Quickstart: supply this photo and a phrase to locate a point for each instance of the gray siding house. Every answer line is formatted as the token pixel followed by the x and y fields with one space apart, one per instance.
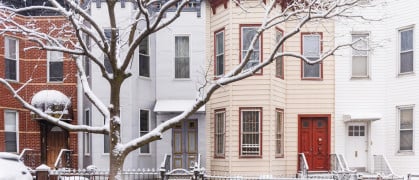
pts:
pixel 167 69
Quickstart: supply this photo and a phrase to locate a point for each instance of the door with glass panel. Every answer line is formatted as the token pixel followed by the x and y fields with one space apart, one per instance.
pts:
pixel 357 145
pixel 185 147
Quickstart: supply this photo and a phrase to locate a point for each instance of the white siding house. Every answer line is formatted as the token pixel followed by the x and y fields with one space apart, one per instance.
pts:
pixel 376 90
pixel 151 95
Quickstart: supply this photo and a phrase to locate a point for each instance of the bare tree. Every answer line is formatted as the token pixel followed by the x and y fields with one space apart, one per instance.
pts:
pixel 81 24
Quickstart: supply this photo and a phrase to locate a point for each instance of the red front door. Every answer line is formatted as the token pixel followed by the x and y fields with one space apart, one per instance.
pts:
pixel 314 142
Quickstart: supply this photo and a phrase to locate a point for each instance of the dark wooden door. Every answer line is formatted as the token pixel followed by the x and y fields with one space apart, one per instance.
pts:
pixel 185 147
pixel 314 143
pixel 56 141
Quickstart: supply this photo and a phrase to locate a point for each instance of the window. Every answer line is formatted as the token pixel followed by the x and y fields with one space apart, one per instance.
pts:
pixel 10 131
pixel 311 50
pixel 55 66
pixel 219 53
pixel 247 34
pixel 360 55
pixel 279 133
pixel 181 57
pixel 406 128
pixel 144 58
pixel 86 135
pixel 106 143
pixel 406 50
pixel 144 129
pixel 106 61
pixel 219 133
pixel 356 130
pixel 279 62
pixel 11 58
pixel 250 124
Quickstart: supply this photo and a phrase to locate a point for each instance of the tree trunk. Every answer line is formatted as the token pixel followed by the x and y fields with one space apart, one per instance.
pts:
pixel 116 157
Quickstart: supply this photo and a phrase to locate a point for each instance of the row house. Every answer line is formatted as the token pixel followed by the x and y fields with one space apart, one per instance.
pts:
pixel 166 72
pixel 376 88
pixel 46 80
pixel 259 125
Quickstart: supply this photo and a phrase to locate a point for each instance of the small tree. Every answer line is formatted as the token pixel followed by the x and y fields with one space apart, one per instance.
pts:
pixel 81 25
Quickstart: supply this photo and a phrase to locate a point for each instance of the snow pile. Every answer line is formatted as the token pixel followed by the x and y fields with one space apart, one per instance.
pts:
pixel 12 168
pixel 50 98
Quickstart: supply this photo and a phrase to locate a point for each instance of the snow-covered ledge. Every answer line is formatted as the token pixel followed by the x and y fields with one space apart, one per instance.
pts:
pixel 54 103
pixel 353 117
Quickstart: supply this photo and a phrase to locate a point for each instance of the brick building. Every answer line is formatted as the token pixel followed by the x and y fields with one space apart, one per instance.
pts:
pixel 19 64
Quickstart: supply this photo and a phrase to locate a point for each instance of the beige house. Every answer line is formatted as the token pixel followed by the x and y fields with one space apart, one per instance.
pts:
pixel 258 126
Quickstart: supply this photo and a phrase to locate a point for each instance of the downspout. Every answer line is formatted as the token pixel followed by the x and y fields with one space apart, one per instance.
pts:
pixel 80 121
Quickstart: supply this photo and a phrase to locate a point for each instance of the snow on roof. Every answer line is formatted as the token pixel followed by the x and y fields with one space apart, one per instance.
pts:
pixel 50 97
pixel 361 116
pixel 175 105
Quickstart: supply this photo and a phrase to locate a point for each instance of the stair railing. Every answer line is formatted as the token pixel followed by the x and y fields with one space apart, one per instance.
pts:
pixel 303 165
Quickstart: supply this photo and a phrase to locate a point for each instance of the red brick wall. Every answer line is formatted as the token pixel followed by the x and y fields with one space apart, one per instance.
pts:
pixel 33 65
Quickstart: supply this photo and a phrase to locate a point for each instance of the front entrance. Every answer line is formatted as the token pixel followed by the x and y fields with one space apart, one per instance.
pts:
pixel 56 140
pixel 185 144
pixel 357 145
pixel 314 141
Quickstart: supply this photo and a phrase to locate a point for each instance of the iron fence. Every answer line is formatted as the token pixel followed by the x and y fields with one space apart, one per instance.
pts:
pixel 83 174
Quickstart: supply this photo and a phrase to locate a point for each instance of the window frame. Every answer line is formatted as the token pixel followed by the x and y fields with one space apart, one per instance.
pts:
pixel 149 61
pixel 86 135
pixel 320 34
pixel 399 109
pixel 280 75
pixel 399 31
pixel 149 128
pixel 367 36
pixel 105 57
pixel 189 56
pixel 49 60
pixel 216 112
pixel 16 129
pixel 251 109
pixel 241 27
pixel 216 54
pixel 106 151
pixel 6 46
pixel 279 131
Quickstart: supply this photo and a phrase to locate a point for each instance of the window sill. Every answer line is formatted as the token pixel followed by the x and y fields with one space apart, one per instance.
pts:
pixel 405 153
pixel 12 81
pixel 182 79
pixel 311 79
pixel 250 157
pixel 55 82
pixel 407 74
pixel 355 78
pixel 144 154
pixel 144 78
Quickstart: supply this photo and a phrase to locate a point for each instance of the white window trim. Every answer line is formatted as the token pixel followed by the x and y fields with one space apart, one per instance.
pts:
pixel 242 48
pixel 320 49
pixel 86 134
pixel 17 127
pixel 174 57
pixel 149 60
pixel 219 54
pixel 399 30
pixel 367 34
pixel 259 131
pixel 405 152
pixel 48 65
pixel 17 57
pixel 139 129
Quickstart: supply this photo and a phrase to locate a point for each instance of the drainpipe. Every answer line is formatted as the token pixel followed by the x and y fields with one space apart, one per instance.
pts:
pixel 79 121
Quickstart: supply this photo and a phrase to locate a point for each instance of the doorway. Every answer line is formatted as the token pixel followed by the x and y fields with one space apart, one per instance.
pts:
pixel 357 145
pixel 314 140
pixel 185 147
pixel 56 140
